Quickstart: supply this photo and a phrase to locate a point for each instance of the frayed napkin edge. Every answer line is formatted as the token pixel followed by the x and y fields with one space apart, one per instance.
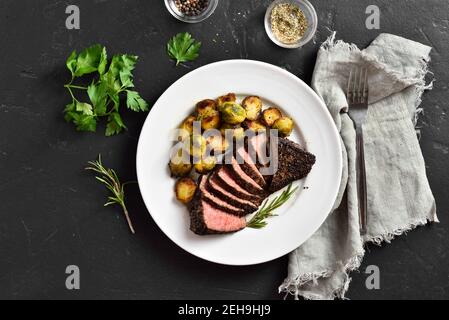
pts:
pixel 292 285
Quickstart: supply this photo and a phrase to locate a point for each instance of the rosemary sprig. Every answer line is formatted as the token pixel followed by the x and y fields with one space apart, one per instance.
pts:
pixel 110 179
pixel 268 208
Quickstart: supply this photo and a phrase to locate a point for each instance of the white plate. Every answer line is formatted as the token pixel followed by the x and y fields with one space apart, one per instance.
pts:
pixel 315 130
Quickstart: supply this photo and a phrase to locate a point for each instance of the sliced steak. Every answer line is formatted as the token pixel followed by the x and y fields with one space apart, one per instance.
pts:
pixel 293 164
pixel 227 181
pixel 248 165
pixel 243 179
pixel 216 202
pixel 206 219
pixel 259 146
pixel 217 190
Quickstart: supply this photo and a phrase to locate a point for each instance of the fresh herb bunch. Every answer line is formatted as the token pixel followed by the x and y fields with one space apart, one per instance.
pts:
pixel 114 79
pixel 110 179
pixel 183 48
pixel 267 209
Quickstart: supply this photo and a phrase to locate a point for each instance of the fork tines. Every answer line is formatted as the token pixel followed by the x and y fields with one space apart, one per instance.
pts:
pixel 357 91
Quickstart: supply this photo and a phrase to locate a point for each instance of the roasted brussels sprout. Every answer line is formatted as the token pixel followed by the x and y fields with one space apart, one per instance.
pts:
pixel 205 105
pixel 179 166
pixel 284 125
pixel 185 189
pixel 254 125
pixel 187 126
pixel 237 131
pixel 210 119
pixel 215 143
pixel 198 146
pixel 226 145
pixel 233 113
pixel 271 115
pixel 253 107
pixel 226 126
pixel 230 97
pixel 205 165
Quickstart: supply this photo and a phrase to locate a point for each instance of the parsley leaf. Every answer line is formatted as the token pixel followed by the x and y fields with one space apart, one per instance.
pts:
pixel 115 124
pixel 114 78
pixel 122 63
pixel 97 93
pixel 83 122
pixel 71 63
pixel 84 108
pixel 135 102
pixel 183 47
pixel 87 61
pixel 103 61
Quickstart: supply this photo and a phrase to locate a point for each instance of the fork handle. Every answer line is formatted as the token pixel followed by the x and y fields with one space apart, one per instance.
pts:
pixel 361 181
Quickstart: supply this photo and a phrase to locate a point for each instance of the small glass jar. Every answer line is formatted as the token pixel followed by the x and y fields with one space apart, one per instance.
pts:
pixel 206 13
pixel 310 14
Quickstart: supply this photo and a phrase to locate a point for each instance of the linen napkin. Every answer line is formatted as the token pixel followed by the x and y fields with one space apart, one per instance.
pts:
pixel 399 195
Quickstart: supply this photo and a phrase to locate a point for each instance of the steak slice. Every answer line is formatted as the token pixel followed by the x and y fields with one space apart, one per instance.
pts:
pixel 293 164
pixel 259 146
pixel 227 181
pixel 248 165
pixel 205 219
pixel 217 190
pixel 243 179
pixel 216 202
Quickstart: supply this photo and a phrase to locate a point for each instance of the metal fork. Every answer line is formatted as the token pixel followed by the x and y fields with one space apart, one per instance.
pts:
pixel 357 95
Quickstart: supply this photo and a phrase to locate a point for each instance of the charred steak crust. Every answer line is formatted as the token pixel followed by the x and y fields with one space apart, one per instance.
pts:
pixel 214 188
pixel 293 164
pixel 197 223
pixel 256 199
pixel 241 181
pixel 197 219
pixel 250 172
pixel 217 202
pixel 249 167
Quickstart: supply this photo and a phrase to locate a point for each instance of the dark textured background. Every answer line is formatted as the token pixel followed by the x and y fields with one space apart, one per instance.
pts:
pixel 51 212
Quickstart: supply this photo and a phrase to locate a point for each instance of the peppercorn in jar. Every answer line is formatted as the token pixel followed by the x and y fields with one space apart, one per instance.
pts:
pixel 191 7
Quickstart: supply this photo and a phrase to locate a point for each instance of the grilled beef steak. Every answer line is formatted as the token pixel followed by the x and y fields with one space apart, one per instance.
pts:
pixel 205 219
pixel 248 165
pixel 218 202
pixel 243 179
pixel 259 146
pixel 293 164
pixel 217 190
pixel 234 190
pixel 227 181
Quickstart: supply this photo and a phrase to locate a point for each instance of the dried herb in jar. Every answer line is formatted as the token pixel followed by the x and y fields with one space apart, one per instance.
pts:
pixel 288 23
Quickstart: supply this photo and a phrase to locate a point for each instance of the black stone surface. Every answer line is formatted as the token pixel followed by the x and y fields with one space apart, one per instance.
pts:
pixel 51 212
